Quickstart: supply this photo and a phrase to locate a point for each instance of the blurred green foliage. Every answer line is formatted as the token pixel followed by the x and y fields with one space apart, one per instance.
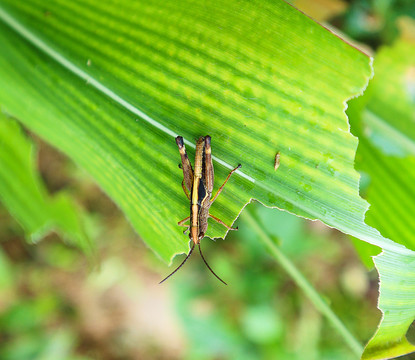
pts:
pixel 374 22
pixel 24 195
pixel 262 313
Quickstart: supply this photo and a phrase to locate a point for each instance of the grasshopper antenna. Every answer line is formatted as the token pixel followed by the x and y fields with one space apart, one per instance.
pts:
pixel 188 255
pixel 200 250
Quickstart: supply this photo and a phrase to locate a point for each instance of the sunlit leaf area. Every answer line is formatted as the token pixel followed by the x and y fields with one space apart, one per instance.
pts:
pixel 313 234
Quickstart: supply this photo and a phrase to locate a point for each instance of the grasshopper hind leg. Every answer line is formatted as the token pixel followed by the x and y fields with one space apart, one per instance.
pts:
pixel 185 190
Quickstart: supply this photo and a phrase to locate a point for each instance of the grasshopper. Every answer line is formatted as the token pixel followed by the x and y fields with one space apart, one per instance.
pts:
pixel 197 184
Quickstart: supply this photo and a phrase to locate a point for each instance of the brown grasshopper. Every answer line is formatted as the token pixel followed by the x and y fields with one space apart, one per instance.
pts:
pixel 198 187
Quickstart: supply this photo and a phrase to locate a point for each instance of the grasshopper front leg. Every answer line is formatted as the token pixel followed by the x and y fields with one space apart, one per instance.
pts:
pixel 182 223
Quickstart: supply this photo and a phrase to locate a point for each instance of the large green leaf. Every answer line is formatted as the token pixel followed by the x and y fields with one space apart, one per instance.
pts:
pixel 24 195
pixel 111 83
pixel 383 120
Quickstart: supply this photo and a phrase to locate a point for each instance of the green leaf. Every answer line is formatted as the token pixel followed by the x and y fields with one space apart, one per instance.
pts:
pixel 396 301
pixel 389 114
pixel 110 84
pixel 24 195
pixel 383 120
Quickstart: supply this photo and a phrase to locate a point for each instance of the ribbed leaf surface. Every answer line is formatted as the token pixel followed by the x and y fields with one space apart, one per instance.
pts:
pixel 111 84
